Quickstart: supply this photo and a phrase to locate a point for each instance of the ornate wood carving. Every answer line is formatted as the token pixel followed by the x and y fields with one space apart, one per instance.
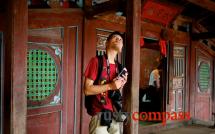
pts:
pixel 112 17
pixel 159 12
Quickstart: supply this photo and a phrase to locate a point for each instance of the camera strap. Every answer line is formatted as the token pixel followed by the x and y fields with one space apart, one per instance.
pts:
pixel 108 72
pixel 108 67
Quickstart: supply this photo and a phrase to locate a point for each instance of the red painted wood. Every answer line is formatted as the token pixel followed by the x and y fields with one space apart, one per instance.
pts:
pixel 131 90
pixel 79 80
pixel 47 40
pixel 15 20
pixel 71 21
pixel 32 112
pixel 47 123
pixel 43 18
pixel 203 100
pixel 200 103
pixel 188 71
pixel 159 12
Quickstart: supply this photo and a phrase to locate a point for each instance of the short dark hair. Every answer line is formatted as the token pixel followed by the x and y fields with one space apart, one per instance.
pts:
pixel 162 62
pixel 114 33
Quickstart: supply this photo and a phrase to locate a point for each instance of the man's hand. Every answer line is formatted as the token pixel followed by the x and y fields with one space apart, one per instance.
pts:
pixel 119 82
pixel 125 77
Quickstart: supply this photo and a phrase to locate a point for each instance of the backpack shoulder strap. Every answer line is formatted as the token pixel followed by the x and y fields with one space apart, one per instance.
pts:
pixel 119 66
pixel 100 68
pixel 88 99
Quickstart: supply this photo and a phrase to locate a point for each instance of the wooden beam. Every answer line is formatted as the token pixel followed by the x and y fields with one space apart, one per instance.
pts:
pixel 207 4
pixel 203 35
pixel 15 100
pixel 198 27
pixel 102 8
pixel 131 91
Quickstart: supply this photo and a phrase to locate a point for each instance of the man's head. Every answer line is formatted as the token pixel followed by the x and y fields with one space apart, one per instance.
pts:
pixel 114 42
pixel 161 64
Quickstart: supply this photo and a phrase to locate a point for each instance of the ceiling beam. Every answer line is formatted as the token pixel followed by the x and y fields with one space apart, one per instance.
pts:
pixel 203 35
pixel 207 4
pixel 108 6
pixel 200 28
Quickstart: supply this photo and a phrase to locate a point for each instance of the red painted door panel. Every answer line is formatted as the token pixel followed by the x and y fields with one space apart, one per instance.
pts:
pixel 177 94
pixel 53 72
pixel 203 91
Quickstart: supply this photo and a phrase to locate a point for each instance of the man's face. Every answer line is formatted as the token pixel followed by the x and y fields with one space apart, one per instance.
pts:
pixel 116 43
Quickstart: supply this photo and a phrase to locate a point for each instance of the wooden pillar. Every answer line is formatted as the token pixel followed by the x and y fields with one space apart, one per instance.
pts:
pixel 131 91
pixel 15 105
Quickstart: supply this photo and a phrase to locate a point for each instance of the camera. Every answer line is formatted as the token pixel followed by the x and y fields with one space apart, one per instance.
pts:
pixel 116 98
pixel 123 72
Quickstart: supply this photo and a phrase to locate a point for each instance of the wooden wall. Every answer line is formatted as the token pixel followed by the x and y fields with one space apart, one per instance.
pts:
pixel 15 39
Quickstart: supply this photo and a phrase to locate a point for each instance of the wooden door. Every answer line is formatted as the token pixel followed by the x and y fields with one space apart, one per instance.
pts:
pixel 177 94
pixel 203 90
pixel 53 72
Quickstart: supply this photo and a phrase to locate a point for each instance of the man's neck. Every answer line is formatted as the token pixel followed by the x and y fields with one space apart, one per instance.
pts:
pixel 111 55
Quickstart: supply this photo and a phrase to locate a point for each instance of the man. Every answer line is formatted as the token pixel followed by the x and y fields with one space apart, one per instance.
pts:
pixel 108 81
pixel 155 91
pixel 154 79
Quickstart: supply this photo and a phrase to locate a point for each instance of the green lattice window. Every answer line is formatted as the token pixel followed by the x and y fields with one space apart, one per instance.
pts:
pixel 42 75
pixel 204 76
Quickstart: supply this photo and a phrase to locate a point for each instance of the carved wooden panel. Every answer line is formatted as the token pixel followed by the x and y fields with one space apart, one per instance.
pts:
pixel 159 12
pixel 44 67
pixel 101 37
pixel 177 100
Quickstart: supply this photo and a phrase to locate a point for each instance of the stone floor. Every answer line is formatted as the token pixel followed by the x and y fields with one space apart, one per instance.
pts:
pixel 194 129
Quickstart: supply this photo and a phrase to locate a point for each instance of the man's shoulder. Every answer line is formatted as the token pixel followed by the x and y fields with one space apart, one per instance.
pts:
pixel 94 59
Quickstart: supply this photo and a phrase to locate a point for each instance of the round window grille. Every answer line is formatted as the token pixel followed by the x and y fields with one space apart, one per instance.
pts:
pixel 42 75
pixel 204 76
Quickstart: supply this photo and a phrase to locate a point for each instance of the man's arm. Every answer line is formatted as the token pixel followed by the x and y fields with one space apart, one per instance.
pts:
pixel 90 89
pixel 157 78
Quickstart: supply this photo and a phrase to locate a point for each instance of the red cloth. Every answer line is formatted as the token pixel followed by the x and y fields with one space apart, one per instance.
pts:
pixel 141 42
pixel 91 73
pixel 162 44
